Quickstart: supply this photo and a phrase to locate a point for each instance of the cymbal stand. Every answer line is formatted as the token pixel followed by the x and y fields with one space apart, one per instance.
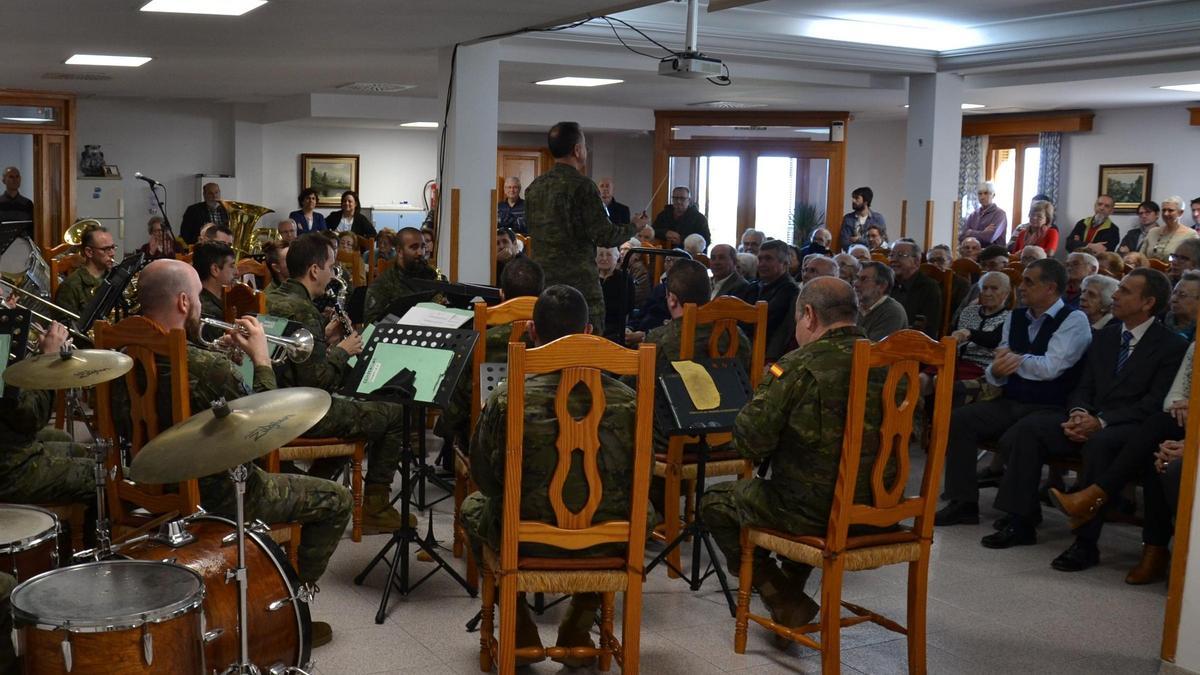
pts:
pixel 238 475
pixel 103 549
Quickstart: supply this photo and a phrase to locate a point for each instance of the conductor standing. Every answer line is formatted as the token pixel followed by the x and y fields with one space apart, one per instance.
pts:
pixel 567 221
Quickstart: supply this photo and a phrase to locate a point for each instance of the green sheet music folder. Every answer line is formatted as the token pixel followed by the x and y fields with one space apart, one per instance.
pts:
pixel 389 359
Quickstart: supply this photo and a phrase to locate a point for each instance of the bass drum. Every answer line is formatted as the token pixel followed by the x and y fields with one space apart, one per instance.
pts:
pixel 280 628
pixel 23 265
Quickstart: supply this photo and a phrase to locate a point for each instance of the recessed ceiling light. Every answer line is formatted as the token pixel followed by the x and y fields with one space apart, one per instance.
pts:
pixel 104 60
pixel 1182 87
pixel 578 82
pixel 966 106
pixel 421 125
pixel 220 7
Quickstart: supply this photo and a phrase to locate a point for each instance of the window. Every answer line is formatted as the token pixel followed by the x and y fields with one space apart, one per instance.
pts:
pixel 1012 166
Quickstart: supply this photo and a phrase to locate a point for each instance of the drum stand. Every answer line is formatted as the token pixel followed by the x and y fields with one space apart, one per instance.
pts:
pixel 99 448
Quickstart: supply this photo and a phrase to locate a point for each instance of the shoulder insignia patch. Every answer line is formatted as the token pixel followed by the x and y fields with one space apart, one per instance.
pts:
pixel 776 370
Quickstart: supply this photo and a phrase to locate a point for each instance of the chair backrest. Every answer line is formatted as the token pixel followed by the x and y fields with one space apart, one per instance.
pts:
pixel 945 279
pixel 903 354
pixel 241 300
pixel 967 269
pixel 725 313
pixel 251 266
pixel 518 312
pixel 1016 265
pixel 185 257
pixel 1014 280
pixel 1014 257
pixel 880 255
pixel 144 341
pixel 382 265
pixel 1159 265
pixel 526 244
pixel 353 263
pixel 366 246
pixel 579 359
pixel 60 268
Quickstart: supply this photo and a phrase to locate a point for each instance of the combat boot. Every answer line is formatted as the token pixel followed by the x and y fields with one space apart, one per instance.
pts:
pixel 575 630
pixel 379 516
pixel 790 606
pixel 322 634
pixel 527 633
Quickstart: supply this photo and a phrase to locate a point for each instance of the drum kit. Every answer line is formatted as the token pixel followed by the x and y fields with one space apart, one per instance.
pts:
pixel 177 600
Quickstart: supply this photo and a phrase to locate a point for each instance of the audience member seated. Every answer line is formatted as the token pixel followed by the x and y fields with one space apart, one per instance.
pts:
pixel 287 230
pixel 1112 264
pixel 779 291
pixel 1147 213
pixel 820 242
pixel 1186 257
pixel 162 242
pixel 1096 300
pixel 860 252
pixel 347 242
pixel 994 258
pixel 385 246
pixel 646 236
pixel 940 257
pixel 560 311
pixel 817 265
pixel 1096 233
pixel 725 277
pixel 1160 242
pixel 920 295
pixel 970 248
pixel 747 265
pixel 1079 265
pixel 752 240
pixel 679 219
pixel 988 223
pixel 1031 253
pixel 1039 231
pixel 848 267
pixel 879 314
pixel 307 218
pixel 618 294
pixel 855 224
pixel 978 331
pixel 654 312
pixel 1036 364
pixel 687 282
pixel 876 239
pixel 1135 259
pixel 506 249
pixel 635 266
pixel 1184 304
pixel 695 245
pixel 796 421
pixel 1128 372
pixel 796 262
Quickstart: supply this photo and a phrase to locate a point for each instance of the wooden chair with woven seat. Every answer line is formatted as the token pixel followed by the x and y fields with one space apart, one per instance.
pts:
pixel 579 359
pixel 519 313
pixel 839 551
pixel 146 341
pixel 259 269
pixel 676 465
pixel 352 262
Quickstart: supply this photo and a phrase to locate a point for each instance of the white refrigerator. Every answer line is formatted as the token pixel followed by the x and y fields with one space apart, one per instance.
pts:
pixel 104 200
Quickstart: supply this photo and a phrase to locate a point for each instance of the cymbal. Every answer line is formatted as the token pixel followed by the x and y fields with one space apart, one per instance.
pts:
pixel 80 368
pixel 208 443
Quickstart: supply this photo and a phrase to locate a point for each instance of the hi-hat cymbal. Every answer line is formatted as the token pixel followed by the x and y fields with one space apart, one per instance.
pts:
pixel 208 442
pixel 76 369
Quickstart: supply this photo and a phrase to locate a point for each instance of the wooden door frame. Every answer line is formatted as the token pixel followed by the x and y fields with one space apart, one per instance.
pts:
pixel 47 233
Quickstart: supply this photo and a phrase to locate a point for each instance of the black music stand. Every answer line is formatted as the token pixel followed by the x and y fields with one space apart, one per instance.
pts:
pixel 110 292
pixel 679 417
pixel 460 343
pixel 15 324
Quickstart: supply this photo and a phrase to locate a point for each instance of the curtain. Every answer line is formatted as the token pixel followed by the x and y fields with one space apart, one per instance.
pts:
pixel 1048 170
pixel 970 172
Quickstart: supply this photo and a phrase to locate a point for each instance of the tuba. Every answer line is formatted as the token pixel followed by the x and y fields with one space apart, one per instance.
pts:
pixel 74 234
pixel 247 239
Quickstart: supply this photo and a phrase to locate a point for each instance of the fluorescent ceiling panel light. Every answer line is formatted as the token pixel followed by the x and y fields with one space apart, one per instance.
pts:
pixel 578 82
pixel 1182 87
pixel 105 60
pixel 892 31
pixel 966 106
pixel 219 7
pixel 421 125
pixel 27 120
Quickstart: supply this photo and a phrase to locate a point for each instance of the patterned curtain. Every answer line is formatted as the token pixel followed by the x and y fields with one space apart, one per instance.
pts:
pixel 970 172
pixel 1048 171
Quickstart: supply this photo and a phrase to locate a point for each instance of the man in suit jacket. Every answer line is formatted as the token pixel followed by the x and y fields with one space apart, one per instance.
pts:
pixel 211 210
pixel 617 212
pixel 725 277
pixel 1128 371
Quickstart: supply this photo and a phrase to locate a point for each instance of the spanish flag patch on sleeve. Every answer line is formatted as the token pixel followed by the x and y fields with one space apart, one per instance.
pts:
pixel 776 370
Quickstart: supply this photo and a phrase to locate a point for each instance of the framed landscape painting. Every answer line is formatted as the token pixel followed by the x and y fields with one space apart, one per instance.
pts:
pixel 1127 184
pixel 329 175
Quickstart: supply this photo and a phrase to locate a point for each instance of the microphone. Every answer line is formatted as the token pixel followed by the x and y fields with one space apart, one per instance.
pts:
pixel 138 175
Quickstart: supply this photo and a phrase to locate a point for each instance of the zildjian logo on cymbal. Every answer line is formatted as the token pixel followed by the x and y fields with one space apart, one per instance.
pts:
pixel 265 429
pixel 83 374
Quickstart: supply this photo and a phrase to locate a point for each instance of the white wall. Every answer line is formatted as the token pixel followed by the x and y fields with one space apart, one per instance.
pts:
pixel 17 150
pixel 875 158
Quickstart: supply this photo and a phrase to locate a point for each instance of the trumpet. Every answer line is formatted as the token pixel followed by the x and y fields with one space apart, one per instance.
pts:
pixel 297 347
pixel 38 315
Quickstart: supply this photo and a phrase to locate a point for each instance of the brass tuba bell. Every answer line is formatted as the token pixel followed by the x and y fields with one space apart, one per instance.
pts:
pixel 242 219
pixel 74 234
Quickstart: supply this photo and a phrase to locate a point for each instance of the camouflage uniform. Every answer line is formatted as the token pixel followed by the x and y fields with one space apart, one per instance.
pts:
pixel 567 221
pixel 76 291
pixel 211 306
pixel 391 286
pixel 8 655
pixel 38 465
pixel 379 422
pixel 796 418
pixel 482 511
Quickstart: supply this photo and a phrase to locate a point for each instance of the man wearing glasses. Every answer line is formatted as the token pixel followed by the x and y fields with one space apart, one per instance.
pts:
pixel 920 295
pixel 1186 257
pixel 99 255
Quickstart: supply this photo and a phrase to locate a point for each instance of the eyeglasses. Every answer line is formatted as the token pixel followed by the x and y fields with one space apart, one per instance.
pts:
pixel 1175 257
pixel 106 249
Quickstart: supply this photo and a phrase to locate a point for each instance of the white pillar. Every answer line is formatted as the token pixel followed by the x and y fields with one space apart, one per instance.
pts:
pixel 931 154
pixel 1187 651
pixel 470 158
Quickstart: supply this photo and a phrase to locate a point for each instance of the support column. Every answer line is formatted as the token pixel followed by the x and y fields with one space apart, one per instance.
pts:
pixel 470 158
pixel 931 154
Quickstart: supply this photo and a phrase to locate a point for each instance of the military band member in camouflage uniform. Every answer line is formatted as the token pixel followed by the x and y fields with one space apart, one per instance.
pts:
pixel 560 311
pixel 796 419
pixel 310 262
pixel 567 221
pixel 216 264
pixel 393 285
pixel 169 295
pixel 99 256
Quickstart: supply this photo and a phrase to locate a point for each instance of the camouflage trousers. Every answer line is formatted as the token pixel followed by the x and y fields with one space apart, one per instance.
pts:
pixel 8 655
pixel 380 423
pixel 727 506
pixel 321 507
pixel 51 469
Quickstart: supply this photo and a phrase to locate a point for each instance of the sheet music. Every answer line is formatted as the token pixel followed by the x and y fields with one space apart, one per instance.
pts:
pixel 432 315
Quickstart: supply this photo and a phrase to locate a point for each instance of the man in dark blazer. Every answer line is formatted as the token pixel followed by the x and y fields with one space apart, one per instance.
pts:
pixel 725 277
pixel 1128 371
pixel 211 210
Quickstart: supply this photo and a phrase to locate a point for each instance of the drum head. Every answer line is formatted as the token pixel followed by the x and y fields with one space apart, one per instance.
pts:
pixel 107 595
pixel 15 260
pixel 24 526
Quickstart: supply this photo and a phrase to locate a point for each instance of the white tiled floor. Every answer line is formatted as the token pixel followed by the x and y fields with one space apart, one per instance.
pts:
pixel 989 612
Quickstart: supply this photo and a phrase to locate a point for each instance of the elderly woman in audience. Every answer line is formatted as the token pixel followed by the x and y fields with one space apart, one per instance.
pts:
pixel 162 243
pixel 307 218
pixel 1096 299
pixel 1079 265
pixel 695 245
pixel 1135 259
pixel 747 264
pixel 1039 231
pixel 860 252
pixel 385 246
pixel 645 236
pixel 1031 253
pixel 1160 242
pixel 347 242
pixel 1147 213
pixel 618 293
pixel 978 331
pixel 1184 304
pixel 848 267
pixel 1186 257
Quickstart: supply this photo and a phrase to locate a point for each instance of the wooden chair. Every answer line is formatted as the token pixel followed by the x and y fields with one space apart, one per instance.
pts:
pixel 61 268
pixel 1016 265
pixel 519 313
pixel 367 245
pixel 880 255
pixel 1161 266
pixel 945 279
pixel 526 243
pixel 185 257
pixel 674 466
pixel 259 269
pixel 352 262
pixel 838 552
pixel 145 342
pixel 580 360
pixel 967 269
pixel 1014 280
pixel 380 266
pixel 240 300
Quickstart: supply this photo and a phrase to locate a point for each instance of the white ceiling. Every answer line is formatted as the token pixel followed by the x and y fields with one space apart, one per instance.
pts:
pixel 784 54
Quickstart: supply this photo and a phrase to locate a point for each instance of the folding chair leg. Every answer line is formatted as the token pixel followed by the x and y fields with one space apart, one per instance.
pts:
pixel 745 582
pixel 487 630
pixel 918 580
pixel 831 617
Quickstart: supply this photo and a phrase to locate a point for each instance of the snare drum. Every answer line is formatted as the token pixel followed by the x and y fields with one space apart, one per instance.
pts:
pixel 28 540
pixel 111 617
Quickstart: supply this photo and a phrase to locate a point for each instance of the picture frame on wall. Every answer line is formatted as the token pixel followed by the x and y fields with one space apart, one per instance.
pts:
pixel 1127 184
pixel 329 175
pixel 112 171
